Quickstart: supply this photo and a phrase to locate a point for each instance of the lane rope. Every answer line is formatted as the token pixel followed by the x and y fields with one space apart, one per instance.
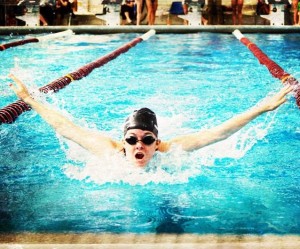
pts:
pixel 11 112
pixel 274 69
pixel 36 39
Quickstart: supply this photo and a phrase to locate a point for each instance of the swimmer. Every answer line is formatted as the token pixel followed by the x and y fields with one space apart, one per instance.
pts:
pixel 140 140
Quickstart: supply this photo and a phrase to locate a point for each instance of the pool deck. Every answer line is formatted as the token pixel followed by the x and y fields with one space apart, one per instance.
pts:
pixel 190 241
pixel 180 29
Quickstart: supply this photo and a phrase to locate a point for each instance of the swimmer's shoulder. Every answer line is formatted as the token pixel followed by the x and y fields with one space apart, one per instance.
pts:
pixel 164 146
pixel 118 146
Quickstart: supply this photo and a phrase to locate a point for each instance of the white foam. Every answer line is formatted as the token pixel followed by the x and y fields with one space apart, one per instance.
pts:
pixel 176 167
pixel 173 168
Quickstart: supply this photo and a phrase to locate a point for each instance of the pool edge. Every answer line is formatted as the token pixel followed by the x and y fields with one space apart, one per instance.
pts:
pixel 94 29
pixel 90 240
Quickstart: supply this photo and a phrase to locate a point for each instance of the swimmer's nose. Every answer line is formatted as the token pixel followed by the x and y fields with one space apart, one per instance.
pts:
pixel 139 144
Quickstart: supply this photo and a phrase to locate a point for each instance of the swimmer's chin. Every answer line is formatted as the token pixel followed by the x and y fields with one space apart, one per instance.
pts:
pixel 140 164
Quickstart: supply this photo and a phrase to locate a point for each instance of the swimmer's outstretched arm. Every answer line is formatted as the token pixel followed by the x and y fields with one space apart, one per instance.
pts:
pixel 206 137
pixel 94 142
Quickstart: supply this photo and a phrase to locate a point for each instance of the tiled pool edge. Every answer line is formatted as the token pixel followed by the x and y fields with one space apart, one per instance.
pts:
pixel 89 240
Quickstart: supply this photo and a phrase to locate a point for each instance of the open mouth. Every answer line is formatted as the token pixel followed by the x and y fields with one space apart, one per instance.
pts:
pixel 139 155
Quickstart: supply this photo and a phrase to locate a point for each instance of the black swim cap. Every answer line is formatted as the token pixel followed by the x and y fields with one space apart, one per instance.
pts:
pixel 143 119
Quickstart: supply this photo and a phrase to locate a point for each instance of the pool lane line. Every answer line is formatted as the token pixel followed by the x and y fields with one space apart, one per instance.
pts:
pixel 36 39
pixel 88 68
pixel 11 112
pixel 274 69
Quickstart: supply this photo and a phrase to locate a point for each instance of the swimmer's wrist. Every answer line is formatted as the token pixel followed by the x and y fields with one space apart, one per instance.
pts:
pixel 260 109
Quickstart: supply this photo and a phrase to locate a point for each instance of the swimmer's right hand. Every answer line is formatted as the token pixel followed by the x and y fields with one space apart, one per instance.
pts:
pixel 19 88
pixel 271 103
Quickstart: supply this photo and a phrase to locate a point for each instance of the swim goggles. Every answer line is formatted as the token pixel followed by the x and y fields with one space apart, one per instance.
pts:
pixel 147 140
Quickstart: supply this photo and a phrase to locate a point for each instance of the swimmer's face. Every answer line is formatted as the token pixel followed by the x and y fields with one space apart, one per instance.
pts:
pixel 140 146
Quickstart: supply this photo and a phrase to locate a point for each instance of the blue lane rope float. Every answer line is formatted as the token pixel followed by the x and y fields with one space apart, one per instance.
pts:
pixel 274 69
pixel 10 113
pixel 35 39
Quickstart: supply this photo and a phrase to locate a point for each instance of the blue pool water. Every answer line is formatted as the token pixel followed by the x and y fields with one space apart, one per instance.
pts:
pixel 248 184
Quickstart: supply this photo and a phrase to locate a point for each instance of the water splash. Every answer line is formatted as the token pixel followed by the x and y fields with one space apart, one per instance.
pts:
pixel 114 168
pixel 173 167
